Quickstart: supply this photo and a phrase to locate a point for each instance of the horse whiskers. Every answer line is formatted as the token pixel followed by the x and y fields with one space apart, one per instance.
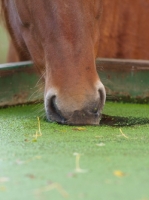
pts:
pixel 37 93
pixel 36 96
pixel 40 87
pixel 40 79
pixel 38 110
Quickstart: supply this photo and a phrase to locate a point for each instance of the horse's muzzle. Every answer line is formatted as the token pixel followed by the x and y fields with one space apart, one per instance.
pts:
pixel 90 114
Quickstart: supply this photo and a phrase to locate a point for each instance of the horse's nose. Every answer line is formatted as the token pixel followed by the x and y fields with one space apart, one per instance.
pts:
pixel 71 112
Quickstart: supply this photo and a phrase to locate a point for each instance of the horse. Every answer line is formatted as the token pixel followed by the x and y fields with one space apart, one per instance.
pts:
pixel 61 37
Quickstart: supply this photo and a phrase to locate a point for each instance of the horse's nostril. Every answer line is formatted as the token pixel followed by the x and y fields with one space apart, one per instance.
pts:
pixel 95 110
pixel 52 104
pixel 53 113
pixel 102 95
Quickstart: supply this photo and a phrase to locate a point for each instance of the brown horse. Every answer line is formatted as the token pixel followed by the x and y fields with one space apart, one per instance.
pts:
pixel 61 37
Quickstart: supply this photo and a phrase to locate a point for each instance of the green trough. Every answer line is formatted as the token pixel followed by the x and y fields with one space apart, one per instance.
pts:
pixel 126 80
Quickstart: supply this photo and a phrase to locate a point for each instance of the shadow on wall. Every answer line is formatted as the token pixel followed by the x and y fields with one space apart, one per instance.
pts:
pixel 3 44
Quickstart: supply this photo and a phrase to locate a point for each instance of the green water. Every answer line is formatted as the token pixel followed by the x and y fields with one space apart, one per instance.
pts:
pixel 115 164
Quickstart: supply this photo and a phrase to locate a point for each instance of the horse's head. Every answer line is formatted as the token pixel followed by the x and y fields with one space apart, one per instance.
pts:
pixel 61 36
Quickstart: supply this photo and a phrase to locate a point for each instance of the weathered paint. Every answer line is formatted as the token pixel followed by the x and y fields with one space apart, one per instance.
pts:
pixel 18 84
pixel 126 80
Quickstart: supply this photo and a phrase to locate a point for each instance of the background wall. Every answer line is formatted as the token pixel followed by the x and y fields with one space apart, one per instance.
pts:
pixel 125 29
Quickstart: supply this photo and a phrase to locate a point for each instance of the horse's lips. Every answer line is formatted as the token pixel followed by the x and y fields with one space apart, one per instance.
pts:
pixel 84 116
